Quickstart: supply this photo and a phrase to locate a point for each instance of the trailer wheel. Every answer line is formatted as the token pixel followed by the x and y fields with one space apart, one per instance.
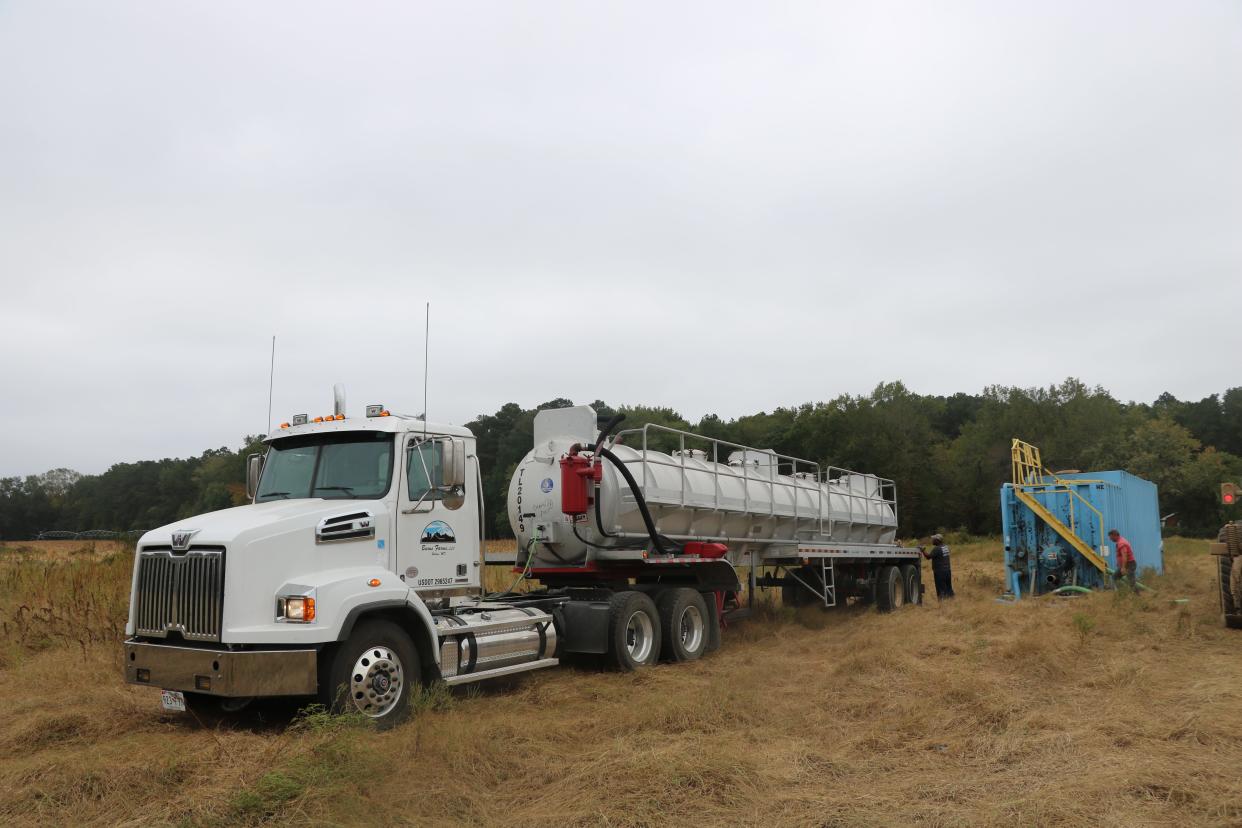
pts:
pixel 633 631
pixel 374 672
pixel 683 618
pixel 911 580
pixel 890 592
pixel 713 622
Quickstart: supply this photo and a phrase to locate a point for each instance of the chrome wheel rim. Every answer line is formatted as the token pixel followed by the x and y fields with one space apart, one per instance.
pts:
pixel 377 681
pixel 899 594
pixel 638 636
pixel 691 629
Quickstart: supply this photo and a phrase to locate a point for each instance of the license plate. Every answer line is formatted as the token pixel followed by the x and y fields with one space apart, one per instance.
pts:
pixel 173 700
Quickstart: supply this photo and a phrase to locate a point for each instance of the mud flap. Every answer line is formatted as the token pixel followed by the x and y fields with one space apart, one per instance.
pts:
pixel 583 626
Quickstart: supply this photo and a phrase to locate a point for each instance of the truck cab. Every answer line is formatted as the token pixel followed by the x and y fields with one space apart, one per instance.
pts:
pixel 373 518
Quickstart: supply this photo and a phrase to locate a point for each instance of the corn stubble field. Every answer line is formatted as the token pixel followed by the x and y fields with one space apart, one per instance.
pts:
pixel 1108 710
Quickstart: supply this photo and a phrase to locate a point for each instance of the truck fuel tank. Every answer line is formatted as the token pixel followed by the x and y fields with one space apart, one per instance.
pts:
pixel 486 637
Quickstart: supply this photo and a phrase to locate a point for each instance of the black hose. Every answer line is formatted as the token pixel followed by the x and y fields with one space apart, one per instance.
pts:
pixel 607 429
pixel 656 540
pixel 603 435
pixel 578 535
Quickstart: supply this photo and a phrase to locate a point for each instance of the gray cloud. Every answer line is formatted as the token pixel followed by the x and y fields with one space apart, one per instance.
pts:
pixel 717 208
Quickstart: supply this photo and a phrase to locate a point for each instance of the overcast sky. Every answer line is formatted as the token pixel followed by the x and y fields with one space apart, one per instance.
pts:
pixel 715 207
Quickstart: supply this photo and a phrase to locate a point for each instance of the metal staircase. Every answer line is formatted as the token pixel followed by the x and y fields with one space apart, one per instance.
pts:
pixel 1031 478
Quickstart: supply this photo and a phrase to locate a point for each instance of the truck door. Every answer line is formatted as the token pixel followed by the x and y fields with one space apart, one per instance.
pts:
pixel 437 524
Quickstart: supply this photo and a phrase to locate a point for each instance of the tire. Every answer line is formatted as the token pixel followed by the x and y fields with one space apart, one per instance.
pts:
pixel 1235 583
pixel 633 631
pixel 713 622
pixel 373 673
pixel 1224 576
pixel 911 581
pixel 683 620
pixel 890 593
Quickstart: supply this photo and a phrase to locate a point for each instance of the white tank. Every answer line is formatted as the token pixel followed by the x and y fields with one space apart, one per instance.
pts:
pixel 753 500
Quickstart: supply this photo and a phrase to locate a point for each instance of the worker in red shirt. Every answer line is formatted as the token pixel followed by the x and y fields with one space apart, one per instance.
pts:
pixel 1126 565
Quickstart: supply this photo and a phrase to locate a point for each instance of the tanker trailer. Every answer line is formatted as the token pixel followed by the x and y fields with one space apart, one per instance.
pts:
pixel 660 506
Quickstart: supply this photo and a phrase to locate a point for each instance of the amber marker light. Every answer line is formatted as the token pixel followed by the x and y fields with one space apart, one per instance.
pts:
pixel 374 582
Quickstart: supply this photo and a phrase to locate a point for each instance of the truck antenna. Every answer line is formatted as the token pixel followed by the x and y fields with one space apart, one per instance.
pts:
pixel 426 362
pixel 271 383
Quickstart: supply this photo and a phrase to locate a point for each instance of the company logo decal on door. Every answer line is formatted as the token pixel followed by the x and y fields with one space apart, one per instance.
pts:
pixel 438 537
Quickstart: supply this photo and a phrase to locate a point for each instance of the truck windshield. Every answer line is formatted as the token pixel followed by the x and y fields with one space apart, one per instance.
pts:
pixel 353 465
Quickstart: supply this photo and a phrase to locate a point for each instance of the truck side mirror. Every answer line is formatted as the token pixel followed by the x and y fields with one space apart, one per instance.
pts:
pixel 254 469
pixel 454 453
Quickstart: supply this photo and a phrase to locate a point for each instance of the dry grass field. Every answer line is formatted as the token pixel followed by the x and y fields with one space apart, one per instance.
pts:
pixel 1105 710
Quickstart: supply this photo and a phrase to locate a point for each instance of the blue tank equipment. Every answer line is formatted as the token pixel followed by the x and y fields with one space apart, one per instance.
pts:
pixel 1056 525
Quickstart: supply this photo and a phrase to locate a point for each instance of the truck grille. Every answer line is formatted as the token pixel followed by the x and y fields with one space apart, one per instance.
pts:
pixel 182 592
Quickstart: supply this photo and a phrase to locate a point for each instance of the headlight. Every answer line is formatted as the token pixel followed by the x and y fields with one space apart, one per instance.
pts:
pixel 299 609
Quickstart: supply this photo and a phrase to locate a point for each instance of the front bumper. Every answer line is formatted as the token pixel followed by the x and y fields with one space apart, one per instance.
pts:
pixel 232 673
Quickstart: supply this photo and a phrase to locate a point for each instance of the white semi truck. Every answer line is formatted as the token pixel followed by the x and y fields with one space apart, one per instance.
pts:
pixel 356 573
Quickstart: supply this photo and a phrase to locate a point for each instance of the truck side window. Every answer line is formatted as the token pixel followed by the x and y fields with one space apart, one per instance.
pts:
pixel 425 458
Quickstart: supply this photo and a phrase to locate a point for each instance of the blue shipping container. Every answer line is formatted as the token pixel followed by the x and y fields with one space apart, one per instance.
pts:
pixel 1039 559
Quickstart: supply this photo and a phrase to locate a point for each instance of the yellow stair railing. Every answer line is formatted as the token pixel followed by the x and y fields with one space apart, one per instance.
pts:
pixel 1030 477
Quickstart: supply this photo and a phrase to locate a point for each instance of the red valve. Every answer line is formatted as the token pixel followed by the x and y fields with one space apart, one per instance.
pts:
pixel 577 474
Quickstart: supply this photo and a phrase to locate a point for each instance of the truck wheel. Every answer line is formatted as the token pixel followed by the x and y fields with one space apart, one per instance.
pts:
pixel 633 631
pixel 890 592
pixel 713 623
pixel 374 672
pixel 1235 582
pixel 911 581
pixel 1224 575
pixel 683 618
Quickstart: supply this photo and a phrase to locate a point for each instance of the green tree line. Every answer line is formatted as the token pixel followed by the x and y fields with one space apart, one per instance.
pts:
pixel 947 454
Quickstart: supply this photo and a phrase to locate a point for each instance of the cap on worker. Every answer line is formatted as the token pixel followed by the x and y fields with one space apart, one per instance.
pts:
pixel 1113 533
pixel 937 538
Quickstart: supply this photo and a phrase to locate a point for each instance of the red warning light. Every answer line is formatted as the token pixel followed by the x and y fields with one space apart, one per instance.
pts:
pixel 1228 494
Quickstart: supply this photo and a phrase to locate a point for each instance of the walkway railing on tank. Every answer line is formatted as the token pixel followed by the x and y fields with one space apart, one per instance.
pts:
pixel 885 492
pixel 791 474
pixel 1030 476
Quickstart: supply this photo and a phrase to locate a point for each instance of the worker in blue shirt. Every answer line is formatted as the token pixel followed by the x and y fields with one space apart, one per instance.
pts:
pixel 942 572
